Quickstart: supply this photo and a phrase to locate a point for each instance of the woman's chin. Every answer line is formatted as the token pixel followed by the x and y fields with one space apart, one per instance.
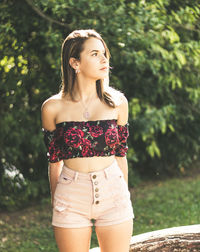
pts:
pixel 103 75
pixel 100 76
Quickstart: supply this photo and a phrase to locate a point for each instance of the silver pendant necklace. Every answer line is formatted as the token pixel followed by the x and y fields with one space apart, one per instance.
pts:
pixel 86 113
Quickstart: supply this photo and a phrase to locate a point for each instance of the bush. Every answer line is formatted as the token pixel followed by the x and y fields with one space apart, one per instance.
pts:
pixel 155 57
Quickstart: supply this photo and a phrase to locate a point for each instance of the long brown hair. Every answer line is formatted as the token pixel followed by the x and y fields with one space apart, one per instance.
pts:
pixel 72 47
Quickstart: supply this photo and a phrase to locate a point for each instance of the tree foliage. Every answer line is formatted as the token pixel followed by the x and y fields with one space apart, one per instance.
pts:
pixel 155 52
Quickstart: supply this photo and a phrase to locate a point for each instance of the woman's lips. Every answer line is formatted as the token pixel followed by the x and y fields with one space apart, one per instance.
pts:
pixel 104 68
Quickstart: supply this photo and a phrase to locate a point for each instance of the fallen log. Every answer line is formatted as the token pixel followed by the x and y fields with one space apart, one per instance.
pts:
pixel 176 239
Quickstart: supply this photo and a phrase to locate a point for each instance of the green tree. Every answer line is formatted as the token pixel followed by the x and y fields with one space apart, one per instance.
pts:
pixel 155 58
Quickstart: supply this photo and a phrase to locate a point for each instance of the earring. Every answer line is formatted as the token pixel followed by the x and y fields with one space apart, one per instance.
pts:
pixel 77 71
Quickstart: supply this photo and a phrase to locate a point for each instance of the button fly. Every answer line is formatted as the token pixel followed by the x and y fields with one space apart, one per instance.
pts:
pixel 95 194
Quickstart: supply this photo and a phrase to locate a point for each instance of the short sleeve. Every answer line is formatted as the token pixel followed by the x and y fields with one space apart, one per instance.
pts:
pixel 53 141
pixel 122 146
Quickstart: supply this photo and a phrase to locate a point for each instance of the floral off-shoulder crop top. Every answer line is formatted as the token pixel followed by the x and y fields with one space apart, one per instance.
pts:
pixel 73 139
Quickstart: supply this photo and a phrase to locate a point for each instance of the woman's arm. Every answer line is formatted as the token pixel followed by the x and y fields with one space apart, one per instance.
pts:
pixel 54 173
pixel 123 164
pixel 48 114
pixel 122 120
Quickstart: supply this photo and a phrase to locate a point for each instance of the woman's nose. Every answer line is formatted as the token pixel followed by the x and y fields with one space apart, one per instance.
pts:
pixel 103 58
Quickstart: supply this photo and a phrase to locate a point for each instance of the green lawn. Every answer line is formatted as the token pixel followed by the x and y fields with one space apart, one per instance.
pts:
pixel 171 203
pixel 157 205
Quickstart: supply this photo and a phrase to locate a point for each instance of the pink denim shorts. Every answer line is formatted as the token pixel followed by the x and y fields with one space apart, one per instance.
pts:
pixel 100 197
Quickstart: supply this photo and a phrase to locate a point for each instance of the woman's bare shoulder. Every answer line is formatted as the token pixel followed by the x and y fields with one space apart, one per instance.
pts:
pixel 121 103
pixel 123 100
pixel 49 111
pixel 52 102
pixel 117 95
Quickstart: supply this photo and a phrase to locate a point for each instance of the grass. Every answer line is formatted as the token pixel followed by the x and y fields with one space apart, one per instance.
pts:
pixel 171 203
pixel 157 205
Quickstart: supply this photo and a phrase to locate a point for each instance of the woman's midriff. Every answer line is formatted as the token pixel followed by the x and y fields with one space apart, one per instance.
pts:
pixel 89 164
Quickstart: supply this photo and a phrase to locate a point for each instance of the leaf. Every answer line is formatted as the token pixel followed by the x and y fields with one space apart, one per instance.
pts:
pixel 171 127
pixel 180 56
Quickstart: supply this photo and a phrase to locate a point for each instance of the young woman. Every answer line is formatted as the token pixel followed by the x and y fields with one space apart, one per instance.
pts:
pixel 85 130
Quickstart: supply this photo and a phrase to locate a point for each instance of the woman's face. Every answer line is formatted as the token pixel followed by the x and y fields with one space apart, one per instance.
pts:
pixel 93 63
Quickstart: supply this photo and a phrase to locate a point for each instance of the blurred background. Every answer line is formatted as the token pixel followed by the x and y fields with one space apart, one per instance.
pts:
pixel 155 55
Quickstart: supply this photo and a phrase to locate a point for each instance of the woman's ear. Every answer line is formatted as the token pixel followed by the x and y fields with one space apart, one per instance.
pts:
pixel 74 63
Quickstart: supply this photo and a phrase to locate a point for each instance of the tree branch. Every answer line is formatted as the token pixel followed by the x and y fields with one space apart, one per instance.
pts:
pixel 49 19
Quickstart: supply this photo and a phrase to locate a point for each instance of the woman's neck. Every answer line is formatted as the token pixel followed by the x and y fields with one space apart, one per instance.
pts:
pixel 85 91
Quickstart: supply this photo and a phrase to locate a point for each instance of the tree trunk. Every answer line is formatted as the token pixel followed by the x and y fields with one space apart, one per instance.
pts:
pixel 176 239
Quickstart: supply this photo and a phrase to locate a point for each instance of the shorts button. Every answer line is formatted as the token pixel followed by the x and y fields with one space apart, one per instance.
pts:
pixel 94 176
pixel 96 189
pixel 96 182
pixel 97 195
pixel 97 202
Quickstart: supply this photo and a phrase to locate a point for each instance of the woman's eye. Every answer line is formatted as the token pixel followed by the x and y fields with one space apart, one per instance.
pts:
pixel 94 54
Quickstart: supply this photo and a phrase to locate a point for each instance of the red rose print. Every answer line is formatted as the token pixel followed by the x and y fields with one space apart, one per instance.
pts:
pixel 95 131
pixel 73 137
pixel 123 133
pixel 111 137
pixel 86 148
pixel 86 139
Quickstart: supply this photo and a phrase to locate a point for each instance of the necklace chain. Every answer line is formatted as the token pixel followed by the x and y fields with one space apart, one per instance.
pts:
pixel 86 113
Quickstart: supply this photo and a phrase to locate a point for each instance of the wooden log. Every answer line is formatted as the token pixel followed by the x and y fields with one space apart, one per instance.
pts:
pixel 176 239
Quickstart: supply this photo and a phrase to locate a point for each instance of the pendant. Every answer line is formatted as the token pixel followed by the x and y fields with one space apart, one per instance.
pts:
pixel 86 114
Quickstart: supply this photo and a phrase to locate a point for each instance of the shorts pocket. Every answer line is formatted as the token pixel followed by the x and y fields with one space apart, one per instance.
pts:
pixel 60 206
pixel 65 179
pixel 121 194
